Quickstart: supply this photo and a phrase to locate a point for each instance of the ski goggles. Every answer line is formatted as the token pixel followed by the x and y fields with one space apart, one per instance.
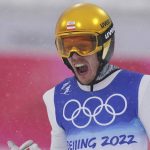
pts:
pixel 82 44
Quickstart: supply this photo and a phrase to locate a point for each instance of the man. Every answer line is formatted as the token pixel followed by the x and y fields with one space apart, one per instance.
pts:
pixel 102 107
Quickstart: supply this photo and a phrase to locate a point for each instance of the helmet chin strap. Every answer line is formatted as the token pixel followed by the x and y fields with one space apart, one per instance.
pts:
pixel 66 62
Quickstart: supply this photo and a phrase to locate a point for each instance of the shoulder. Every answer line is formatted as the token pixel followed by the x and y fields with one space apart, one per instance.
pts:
pixel 49 94
pixel 145 84
pixel 131 73
pixel 130 77
pixel 65 81
pixel 144 102
pixel 146 79
pixel 142 79
pixel 144 91
pixel 65 85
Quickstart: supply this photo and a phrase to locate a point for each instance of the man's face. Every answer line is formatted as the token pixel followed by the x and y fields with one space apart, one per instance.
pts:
pixel 85 67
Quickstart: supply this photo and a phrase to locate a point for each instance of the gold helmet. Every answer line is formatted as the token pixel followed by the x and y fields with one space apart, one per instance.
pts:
pixel 90 23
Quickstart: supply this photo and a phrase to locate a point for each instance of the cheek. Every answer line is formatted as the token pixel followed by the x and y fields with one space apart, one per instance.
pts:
pixel 94 66
pixel 94 70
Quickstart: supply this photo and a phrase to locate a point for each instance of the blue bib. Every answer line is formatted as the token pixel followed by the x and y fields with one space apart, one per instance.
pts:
pixel 103 119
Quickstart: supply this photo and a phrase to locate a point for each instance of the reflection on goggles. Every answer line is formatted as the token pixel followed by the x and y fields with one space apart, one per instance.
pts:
pixel 84 45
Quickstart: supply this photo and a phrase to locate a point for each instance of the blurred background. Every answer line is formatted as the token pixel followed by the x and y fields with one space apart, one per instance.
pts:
pixel 28 59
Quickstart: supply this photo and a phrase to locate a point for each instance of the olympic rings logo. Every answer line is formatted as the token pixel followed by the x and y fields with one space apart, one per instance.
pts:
pixel 89 115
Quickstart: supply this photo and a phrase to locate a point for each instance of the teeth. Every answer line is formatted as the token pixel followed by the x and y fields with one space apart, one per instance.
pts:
pixel 79 65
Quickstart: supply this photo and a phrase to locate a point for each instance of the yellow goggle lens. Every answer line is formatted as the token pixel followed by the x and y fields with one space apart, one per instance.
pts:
pixel 81 44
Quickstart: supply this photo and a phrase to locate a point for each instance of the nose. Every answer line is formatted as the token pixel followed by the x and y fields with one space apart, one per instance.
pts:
pixel 74 55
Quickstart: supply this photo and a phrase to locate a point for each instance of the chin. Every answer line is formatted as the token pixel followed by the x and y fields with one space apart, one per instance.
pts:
pixel 84 82
pixel 83 79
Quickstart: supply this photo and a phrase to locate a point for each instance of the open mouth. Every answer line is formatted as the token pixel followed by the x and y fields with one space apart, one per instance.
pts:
pixel 81 68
